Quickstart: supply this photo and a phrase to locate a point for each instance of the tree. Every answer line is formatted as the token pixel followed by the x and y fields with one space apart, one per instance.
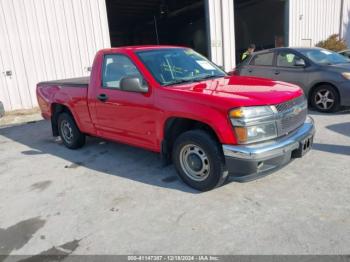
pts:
pixel 333 43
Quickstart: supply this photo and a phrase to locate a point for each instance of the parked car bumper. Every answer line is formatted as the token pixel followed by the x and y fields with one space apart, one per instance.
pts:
pixel 248 162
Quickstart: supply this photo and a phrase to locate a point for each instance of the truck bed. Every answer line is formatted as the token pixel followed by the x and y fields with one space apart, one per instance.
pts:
pixel 72 82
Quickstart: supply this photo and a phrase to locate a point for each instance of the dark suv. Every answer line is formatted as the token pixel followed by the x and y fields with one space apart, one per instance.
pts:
pixel 322 74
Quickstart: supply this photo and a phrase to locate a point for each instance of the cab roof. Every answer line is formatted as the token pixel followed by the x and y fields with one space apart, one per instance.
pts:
pixel 141 48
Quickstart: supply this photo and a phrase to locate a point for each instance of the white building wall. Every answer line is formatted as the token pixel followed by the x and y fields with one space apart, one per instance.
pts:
pixel 346 22
pixel 45 40
pixel 311 21
pixel 222 32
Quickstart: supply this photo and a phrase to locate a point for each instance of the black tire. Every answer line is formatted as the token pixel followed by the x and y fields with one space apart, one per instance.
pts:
pixel 320 93
pixel 215 175
pixel 69 132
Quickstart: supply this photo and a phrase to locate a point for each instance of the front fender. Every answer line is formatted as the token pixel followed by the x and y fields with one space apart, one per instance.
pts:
pixel 216 119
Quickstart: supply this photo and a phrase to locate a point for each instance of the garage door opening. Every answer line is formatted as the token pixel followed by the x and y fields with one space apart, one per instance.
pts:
pixel 144 22
pixel 264 23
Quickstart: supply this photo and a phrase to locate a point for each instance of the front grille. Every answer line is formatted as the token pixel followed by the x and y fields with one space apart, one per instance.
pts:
pixel 292 115
pixel 289 104
pixel 290 123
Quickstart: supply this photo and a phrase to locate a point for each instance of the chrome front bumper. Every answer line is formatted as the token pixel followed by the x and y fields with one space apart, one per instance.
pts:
pixel 255 159
pixel 272 148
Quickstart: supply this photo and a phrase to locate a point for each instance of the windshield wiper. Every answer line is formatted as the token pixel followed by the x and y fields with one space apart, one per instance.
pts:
pixel 191 80
pixel 206 77
pixel 179 81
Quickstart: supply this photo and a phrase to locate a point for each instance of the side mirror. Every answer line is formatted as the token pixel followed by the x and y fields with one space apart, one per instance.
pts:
pixel 300 63
pixel 133 84
pixel 233 72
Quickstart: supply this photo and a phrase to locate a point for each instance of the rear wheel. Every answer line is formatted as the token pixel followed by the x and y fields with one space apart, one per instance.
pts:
pixel 69 132
pixel 325 98
pixel 199 160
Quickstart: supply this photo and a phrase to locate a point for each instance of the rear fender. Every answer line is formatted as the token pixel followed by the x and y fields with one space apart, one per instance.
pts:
pixel 62 102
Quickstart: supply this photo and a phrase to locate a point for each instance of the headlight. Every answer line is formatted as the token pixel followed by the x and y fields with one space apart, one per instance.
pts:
pixel 251 112
pixel 256 133
pixel 346 75
pixel 254 124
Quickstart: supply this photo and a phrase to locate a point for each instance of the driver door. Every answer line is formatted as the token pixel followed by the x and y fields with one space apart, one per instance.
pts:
pixel 124 116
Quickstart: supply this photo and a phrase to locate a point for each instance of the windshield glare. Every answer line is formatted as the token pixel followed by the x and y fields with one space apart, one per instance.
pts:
pixel 177 65
pixel 325 57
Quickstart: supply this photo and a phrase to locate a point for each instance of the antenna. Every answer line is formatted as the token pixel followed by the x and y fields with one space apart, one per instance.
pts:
pixel 156 29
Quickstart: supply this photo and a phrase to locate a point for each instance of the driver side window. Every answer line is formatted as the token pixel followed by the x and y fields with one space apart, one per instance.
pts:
pixel 115 67
pixel 287 59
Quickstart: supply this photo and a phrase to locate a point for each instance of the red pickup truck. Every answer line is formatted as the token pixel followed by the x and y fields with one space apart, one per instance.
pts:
pixel 173 101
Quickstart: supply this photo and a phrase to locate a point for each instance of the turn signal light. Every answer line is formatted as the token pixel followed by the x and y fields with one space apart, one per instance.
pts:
pixel 242 134
pixel 237 113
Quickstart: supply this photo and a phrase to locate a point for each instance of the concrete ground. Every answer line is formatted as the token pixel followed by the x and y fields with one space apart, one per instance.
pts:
pixel 109 198
pixel 20 117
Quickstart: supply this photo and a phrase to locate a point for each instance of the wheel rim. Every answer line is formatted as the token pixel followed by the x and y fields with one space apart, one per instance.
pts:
pixel 66 131
pixel 324 99
pixel 194 162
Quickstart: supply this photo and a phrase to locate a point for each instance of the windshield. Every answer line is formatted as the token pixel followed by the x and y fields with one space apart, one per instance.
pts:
pixel 325 57
pixel 178 65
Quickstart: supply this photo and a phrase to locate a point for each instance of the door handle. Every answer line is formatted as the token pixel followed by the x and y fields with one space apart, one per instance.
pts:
pixel 102 97
pixel 250 70
pixel 277 72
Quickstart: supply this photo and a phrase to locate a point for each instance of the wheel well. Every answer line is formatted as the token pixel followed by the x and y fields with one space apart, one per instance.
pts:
pixel 175 127
pixel 321 84
pixel 56 110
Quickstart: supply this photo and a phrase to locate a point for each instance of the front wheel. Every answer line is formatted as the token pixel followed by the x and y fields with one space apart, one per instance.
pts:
pixel 69 132
pixel 199 160
pixel 325 99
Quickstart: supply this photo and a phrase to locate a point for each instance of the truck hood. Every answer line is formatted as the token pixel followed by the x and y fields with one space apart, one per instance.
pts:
pixel 240 91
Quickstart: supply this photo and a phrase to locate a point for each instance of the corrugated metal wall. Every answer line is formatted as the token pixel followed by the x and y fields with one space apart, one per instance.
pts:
pixel 44 40
pixel 346 21
pixel 222 32
pixel 311 21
